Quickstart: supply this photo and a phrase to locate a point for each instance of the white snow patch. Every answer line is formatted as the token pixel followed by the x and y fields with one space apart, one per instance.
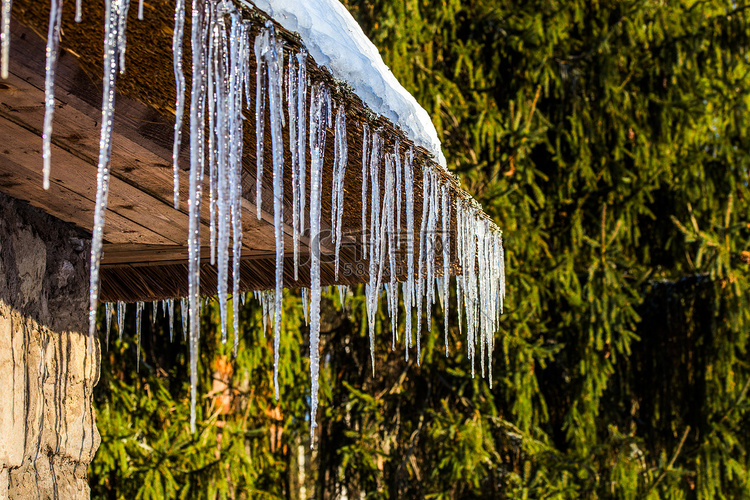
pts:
pixel 337 42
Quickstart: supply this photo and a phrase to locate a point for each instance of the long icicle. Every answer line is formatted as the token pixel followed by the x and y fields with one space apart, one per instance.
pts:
pixel 341 157
pixel 53 44
pixel 302 134
pixel 291 92
pixel 274 61
pixel 446 226
pixel 198 39
pixel 179 80
pixel 318 120
pixel 365 173
pixel 374 233
pixel 409 282
pixel 240 55
pixel 120 318
pixel 261 46
pixel 115 13
pixel 422 251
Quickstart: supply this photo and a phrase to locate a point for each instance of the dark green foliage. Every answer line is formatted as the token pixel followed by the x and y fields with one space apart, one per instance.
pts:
pixel 610 141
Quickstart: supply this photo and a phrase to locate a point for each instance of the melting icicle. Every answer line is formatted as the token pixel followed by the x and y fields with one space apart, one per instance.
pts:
pixel 365 173
pixel 306 305
pixel 170 306
pixel 302 134
pixel 397 159
pixel 390 223
pixel 374 285
pixel 138 318
pixel 219 158
pixel 343 291
pixel 184 313
pixel 430 245
pixel 274 57
pixel 122 7
pixel 5 9
pixel 179 79
pixel 409 282
pixel 197 121
pixel 261 47
pixel 318 119
pixel 239 75
pixel 53 44
pixel 339 171
pixel 446 258
pixel 422 255
pixel 292 88
pixel 114 45
pixel 120 319
pixel 108 315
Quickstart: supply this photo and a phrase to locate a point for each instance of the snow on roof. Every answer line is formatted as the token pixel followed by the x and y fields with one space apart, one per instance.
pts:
pixel 336 41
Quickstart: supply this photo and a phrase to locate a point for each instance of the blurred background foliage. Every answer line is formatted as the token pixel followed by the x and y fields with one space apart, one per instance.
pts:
pixel 610 140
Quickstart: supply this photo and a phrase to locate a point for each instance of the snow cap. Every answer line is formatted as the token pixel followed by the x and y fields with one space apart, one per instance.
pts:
pixel 337 42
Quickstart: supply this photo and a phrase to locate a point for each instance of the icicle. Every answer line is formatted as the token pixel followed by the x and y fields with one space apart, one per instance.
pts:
pixel 446 258
pixel 374 285
pixel 114 45
pixel 120 318
pixel 431 245
pixel 302 134
pixel 239 75
pixel 481 295
pixel 261 47
pixel 306 305
pixel 122 6
pixel 184 314
pixel 78 11
pixel 343 290
pixel 179 79
pixel 339 171
pixel 409 282
pixel 53 43
pixel 108 316
pixel 397 159
pixel 292 88
pixel 138 318
pixel 140 10
pixel 153 314
pixel 197 121
pixel 236 323
pixel 170 306
pixel 5 9
pixel 318 119
pixel 274 57
pixel 390 224
pixel 264 310
pixel 422 256
pixel 365 173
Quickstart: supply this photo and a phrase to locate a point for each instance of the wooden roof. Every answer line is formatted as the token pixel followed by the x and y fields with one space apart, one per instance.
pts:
pixel 145 253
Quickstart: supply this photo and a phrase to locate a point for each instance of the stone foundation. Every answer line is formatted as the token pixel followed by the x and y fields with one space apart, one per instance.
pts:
pixel 48 365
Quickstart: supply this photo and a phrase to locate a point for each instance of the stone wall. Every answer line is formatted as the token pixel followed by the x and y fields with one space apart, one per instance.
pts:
pixel 48 365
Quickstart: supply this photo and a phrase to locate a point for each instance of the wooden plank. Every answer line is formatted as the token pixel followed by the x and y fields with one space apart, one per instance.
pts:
pixel 158 255
pixel 26 185
pixel 23 147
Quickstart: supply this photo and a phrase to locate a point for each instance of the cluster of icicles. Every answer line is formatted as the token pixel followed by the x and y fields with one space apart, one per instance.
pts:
pixel 221 50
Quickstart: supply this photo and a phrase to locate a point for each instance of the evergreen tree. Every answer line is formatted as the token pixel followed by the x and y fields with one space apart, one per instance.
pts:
pixel 609 140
